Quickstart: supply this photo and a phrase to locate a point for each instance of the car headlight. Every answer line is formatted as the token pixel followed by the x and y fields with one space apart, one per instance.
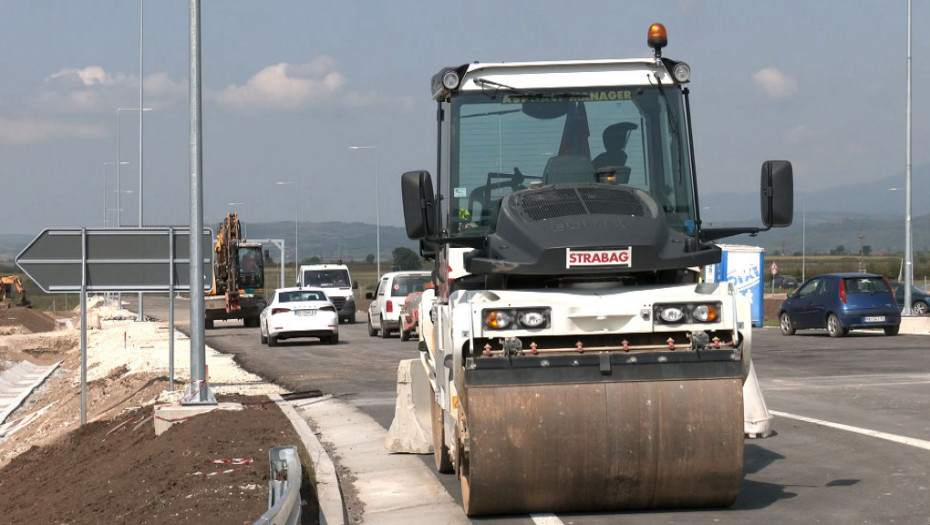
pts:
pixel 516 319
pixel 687 313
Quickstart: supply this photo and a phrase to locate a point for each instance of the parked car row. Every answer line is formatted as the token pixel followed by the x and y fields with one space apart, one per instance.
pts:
pixel 785 281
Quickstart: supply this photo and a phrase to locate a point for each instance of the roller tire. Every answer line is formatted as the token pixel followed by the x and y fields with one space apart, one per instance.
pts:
pixel 272 341
pixel 440 450
pixel 834 327
pixel 892 330
pixel 333 339
pixel 787 327
pixel 385 333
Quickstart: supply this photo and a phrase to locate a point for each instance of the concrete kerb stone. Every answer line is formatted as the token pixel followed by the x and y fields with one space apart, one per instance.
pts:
pixel 327 483
pixel 915 325
pixel 393 488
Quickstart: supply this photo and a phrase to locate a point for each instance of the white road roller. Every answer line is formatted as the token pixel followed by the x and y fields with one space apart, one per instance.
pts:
pixel 572 358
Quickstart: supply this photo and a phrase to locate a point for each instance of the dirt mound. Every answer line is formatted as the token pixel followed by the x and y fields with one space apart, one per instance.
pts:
pixel 212 468
pixel 25 320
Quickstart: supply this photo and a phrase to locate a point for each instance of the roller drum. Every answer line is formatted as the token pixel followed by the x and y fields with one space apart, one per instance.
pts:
pixel 602 446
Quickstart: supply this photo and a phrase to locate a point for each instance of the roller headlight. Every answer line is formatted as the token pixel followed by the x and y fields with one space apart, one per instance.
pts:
pixel 532 319
pixel 671 314
pixel 687 313
pixel 681 72
pixel 498 320
pixel 450 79
pixel 516 319
pixel 705 313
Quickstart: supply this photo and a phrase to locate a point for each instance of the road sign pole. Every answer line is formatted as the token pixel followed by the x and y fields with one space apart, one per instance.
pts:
pixel 83 326
pixel 171 310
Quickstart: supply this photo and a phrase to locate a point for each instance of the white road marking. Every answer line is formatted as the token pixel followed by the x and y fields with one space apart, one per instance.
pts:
pixel 848 381
pixel 918 443
pixel 546 519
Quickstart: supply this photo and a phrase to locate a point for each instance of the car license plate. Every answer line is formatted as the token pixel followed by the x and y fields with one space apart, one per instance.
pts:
pixel 875 319
pixel 305 312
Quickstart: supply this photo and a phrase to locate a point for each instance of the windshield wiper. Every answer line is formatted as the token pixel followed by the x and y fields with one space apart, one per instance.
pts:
pixel 483 82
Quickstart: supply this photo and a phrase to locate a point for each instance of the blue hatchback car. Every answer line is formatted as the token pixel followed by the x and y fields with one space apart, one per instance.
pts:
pixel 841 302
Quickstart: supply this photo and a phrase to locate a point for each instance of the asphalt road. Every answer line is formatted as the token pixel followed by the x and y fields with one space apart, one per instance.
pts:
pixel 872 468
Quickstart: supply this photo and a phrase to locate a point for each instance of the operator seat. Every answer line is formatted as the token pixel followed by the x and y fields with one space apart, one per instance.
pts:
pixel 567 169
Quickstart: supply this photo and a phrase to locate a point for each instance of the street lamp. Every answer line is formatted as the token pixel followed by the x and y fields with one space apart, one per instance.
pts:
pixel 105 164
pixel 377 205
pixel 296 219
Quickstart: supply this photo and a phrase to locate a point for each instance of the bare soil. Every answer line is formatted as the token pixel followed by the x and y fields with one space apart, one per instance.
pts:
pixel 212 468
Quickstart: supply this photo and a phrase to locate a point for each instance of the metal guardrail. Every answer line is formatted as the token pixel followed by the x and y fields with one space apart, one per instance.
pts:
pixel 283 488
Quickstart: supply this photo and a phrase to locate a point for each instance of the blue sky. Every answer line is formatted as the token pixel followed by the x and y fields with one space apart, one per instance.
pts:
pixel 289 85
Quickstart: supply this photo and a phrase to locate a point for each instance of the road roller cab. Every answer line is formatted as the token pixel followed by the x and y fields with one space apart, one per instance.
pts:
pixel 574 359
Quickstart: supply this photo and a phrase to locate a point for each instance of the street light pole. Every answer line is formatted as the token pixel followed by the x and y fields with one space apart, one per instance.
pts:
pixel 118 133
pixel 377 205
pixel 908 249
pixel 141 110
pixel 105 210
pixel 296 220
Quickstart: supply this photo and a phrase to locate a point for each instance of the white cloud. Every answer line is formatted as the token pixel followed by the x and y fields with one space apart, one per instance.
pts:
pixel 286 87
pixel 775 84
pixel 94 90
pixel 29 131
pixel 159 86
pixel 87 77
pixel 290 87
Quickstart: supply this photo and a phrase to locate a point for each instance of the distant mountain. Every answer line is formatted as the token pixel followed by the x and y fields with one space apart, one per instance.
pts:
pixel 850 216
pixel 333 240
pixel 883 198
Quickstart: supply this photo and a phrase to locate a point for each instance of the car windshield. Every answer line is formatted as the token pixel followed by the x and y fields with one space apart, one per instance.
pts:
pixel 632 136
pixel 326 278
pixel 407 284
pixel 302 295
pixel 865 285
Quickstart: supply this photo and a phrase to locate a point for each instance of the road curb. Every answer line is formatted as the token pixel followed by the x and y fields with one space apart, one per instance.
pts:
pixel 327 483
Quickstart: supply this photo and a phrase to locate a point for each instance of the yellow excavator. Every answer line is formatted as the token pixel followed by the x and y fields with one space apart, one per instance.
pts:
pixel 238 277
pixel 10 287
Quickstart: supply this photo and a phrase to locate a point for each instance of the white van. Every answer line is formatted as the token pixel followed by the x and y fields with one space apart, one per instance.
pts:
pixel 393 289
pixel 336 282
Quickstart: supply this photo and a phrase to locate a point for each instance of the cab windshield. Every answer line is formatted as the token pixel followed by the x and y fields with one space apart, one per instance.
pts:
pixel 504 142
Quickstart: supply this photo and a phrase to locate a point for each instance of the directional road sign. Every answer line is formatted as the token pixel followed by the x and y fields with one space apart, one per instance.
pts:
pixel 114 260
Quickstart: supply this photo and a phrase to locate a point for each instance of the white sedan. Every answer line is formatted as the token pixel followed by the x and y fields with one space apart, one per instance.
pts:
pixel 299 312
